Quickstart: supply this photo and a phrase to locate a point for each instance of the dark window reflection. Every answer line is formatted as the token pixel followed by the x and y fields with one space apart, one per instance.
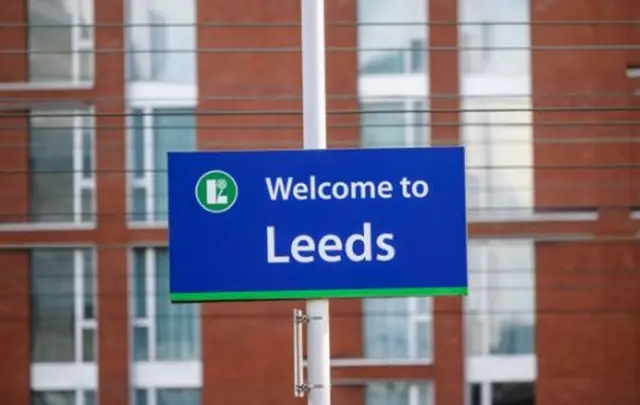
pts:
pixel 513 394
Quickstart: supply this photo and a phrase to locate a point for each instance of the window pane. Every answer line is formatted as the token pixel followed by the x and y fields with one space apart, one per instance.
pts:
pixel 174 130
pixel 137 143
pixel 392 393
pixel 52 306
pixel 421 131
pixel 512 394
pixel 474 307
pixel 386 328
pixel 499 154
pixel 140 397
pixel 139 204
pixel 55 38
pixel 51 162
pixel 89 281
pixel 174 396
pixel 386 49
pixel 501 40
pixel 423 339
pixel 88 345
pixel 511 297
pixel 139 283
pixel 383 125
pixel 140 343
pixel 90 398
pixel 178 326
pixel 163 42
pixel 53 398
pixel 88 210
pixel 87 147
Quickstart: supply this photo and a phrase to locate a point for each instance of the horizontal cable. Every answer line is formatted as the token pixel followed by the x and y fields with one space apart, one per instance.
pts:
pixel 297 49
pixel 329 23
pixel 270 113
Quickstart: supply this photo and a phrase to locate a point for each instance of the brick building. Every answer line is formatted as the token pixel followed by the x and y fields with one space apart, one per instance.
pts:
pixel 542 103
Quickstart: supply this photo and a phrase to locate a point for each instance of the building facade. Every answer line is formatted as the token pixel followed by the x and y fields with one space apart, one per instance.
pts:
pixel 93 94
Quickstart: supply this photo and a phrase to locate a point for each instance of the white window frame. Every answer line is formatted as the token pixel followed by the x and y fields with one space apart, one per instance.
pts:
pixel 147 107
pixel 77 376
pixel 78 45
pixel 487 367
pixel 80 183
pixel 152 374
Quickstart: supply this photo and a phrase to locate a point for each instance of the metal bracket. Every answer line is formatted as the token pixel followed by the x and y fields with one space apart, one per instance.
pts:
pixel 300 387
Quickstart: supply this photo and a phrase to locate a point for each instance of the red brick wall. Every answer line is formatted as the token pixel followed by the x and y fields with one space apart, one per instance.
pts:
pixel 588 326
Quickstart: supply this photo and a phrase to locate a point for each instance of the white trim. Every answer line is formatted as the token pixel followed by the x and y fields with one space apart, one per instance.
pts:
pixel 501 369
pixel 67 377
pixel 176 374
pixel 26 86
pixel 364 362
pixel 495 86
pixel 161 95
pixel 47 226
pixel 148 225
pixel 386 86
pixel 634 214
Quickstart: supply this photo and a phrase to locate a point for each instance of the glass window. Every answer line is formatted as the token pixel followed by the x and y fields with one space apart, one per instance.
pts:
pixel 392 36
pixel 501 301
pixel 161 331
pixel 167 396
pixel 61 160
pixel 156 132
pixel 398 393
pixel 392 123
pixel 67 397
pixel 499 157
pixel 502 393
pixel 61 41
pixel 62 306
pixel 397 329
pixel 495 37
pixel 162 42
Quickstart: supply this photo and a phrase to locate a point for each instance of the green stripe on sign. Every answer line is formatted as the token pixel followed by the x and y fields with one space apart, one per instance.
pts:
pixel 315 294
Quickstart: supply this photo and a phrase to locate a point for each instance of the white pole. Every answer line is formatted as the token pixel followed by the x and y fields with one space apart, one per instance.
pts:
pixel 315 137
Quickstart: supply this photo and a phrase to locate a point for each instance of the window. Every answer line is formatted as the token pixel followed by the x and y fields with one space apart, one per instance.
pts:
pixel 154 133
pixel 62 167
pixel 499 140
pixel 398 329
pixel 398 393
pixel 394 123
pixel 61 42
pixel 392 36
pixel 502 297
pixel 86 397
pixel 167 396
pixel 63 325
pixel 495 37
pixel 497 119
pixel 503 393
pixel 162 41
pixel 500 310
pixel 165 337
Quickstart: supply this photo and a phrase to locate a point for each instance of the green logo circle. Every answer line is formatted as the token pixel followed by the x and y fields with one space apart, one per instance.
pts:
pixel 216 191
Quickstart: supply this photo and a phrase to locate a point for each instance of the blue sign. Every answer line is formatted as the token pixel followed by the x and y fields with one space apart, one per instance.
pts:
pixel 306 224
